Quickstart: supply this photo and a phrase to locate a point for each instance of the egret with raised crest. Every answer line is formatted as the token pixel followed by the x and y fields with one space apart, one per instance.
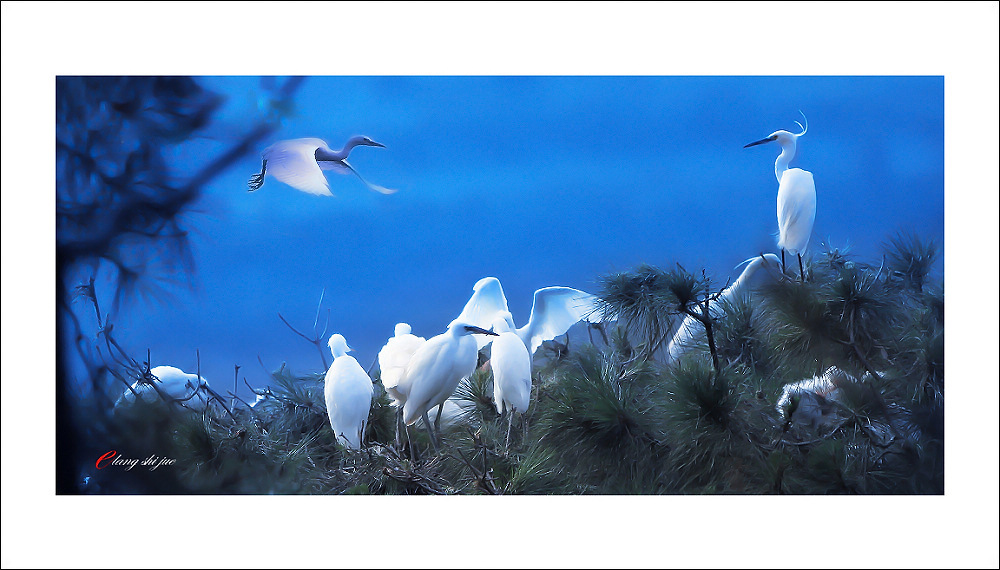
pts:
pixel 796 196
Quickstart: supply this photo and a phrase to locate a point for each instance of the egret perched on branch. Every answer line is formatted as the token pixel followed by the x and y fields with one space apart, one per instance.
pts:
pixel 796 196
pixel 553 311
pixel 681 341
pixel 348 391
pixel 394 356
pixel 300 164
pixel 435 370
pixel 173 385
pixel 392 361
pixel 511 364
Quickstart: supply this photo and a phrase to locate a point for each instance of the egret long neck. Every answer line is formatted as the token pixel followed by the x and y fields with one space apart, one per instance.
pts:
pixel 344 152
pixel 781 164
pixel 327 154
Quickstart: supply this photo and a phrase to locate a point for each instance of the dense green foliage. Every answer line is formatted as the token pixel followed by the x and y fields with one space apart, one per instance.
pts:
pixel 613 417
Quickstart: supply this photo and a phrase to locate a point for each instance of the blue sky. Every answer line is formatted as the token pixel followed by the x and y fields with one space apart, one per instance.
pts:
pixel 536 180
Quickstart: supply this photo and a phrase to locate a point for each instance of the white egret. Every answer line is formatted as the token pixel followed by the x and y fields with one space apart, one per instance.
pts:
pixel 171 384
pixel 392 360
pixel 553 311
pixel 348 391
pixel 435 370
pixel 796 196
pixel 511 364
pixel 300 164
pixel 394 356
pixel 681 341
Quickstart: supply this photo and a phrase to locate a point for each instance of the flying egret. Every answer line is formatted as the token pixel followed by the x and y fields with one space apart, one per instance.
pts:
pixel 681 341
pixel 300 164
pixel 348 391
pixel 435 370
pixel 511 364
pixel 171 384
pixel 796 196
pixel 553 311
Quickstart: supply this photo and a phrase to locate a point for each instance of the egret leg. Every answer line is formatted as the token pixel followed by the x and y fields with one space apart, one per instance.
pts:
pixel 783 268
pixel 409 441
pixel 430 432
pixel 802 273
pixel 399 420
pixel 257 180
pixel 510 422
pixel 437 420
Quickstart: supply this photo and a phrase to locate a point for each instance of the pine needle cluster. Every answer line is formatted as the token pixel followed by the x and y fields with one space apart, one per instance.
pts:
pixel 854 355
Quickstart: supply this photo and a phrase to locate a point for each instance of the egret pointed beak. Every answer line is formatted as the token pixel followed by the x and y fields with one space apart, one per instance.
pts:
pixel 761 141
pixel 477 330
pixel 380 145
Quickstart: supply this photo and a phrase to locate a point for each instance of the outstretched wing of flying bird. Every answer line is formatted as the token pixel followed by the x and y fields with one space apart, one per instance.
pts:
pixel 294 163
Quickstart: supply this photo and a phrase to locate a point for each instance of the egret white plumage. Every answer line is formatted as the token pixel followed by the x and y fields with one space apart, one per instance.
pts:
pixel 553 311
pixel 681 340
pixel 394 356
pixel 511 365
pixel 300 164
pixel 392 361
pixel 435 370
pixel 348 391
pixel 173 385
pixel 796 196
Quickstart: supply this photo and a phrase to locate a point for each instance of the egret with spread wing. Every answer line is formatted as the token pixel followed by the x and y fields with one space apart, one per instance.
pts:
pixel 553 311
pixel 300 164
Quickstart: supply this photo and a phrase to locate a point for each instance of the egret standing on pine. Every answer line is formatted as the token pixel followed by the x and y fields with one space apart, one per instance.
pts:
pixel 300 164
pixel 796 196
pixel 511 365
pixel 348 391
pixel 392 361
pixel 435 370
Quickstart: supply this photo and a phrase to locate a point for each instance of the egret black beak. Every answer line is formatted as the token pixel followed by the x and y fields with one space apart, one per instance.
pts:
pixel 477 330
pixel 761 141
pixel 373 143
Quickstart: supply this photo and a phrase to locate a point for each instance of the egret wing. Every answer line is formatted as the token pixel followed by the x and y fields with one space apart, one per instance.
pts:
pixel 483 307
pixel 553 311
pixel 348 393
pixel 796 209
pixel 333 166
pixel 294 163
